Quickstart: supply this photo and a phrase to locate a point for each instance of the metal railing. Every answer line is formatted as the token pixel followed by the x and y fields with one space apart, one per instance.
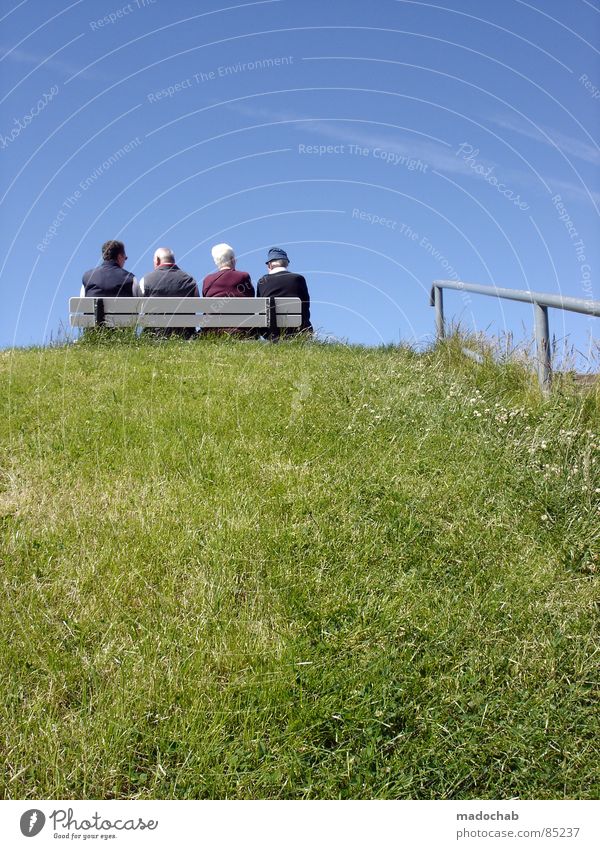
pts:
pixel 540 300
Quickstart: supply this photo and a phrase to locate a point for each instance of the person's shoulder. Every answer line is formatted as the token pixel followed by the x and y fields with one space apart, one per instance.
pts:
pixel 236 277
pixel 287 274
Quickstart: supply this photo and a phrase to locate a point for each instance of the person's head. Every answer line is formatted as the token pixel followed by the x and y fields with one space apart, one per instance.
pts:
pixel 223 256
pixel 114 251
pixel 277 258
pixel 163 256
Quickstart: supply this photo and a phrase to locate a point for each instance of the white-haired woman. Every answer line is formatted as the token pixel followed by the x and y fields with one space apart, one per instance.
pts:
pixel 226 282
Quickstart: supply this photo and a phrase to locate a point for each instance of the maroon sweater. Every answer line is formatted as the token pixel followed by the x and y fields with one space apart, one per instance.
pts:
pixel 228 284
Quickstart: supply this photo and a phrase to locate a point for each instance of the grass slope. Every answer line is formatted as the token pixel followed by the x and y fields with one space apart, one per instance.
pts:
pixel 238 570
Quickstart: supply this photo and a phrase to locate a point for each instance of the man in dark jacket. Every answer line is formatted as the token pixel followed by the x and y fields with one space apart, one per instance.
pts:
pixel 281 283
pixel 168 281
pixel 109 280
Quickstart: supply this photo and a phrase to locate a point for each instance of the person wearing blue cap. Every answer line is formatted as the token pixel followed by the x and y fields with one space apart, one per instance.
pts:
pixel 281 283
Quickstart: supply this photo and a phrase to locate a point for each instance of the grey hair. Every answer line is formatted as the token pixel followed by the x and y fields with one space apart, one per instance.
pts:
pixel 222 254
pixel 279 263
pixel 164 255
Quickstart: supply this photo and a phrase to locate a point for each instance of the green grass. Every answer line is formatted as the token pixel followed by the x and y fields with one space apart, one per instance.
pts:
pixel 236 570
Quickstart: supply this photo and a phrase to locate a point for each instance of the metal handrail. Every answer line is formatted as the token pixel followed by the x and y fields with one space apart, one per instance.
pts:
pixel 540 300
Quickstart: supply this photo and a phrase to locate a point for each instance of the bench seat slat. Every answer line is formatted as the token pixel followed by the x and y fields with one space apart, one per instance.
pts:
pixel 171 306
pixel 205 321
pixel 174 306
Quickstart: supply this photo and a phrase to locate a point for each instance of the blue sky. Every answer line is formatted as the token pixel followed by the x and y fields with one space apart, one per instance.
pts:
pixel 383 144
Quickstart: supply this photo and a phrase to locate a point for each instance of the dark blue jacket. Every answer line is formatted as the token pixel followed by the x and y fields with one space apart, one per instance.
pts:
pixel 108 280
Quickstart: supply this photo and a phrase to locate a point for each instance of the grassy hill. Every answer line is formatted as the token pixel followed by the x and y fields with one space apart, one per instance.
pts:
pixel 299 571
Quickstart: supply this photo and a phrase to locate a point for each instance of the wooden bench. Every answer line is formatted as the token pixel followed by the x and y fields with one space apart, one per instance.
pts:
pixel 267 313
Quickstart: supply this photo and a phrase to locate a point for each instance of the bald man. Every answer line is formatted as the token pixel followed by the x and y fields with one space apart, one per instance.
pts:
pixel 168 281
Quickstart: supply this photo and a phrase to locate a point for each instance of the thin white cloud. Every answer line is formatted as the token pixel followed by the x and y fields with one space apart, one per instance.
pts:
pixel 571 191
pixel 28 57
pixel 435 154
pixel 550 137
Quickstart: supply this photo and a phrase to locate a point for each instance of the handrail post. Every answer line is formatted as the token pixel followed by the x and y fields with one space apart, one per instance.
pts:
pixel 541 301
pixel 542 339
pixel 438 303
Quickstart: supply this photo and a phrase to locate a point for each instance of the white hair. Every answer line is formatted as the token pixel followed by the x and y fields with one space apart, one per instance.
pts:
pixel 164 255
pixel 222 254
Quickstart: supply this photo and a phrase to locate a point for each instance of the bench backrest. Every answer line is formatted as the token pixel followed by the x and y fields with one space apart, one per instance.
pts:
pixel 185 312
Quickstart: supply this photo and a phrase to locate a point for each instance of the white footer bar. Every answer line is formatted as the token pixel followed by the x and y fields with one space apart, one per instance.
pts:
pixel 291 824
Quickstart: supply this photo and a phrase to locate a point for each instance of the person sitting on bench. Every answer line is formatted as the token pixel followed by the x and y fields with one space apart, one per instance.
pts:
pixel 227 282
pixel 281 283
pixel 109 280
pixel 167 281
